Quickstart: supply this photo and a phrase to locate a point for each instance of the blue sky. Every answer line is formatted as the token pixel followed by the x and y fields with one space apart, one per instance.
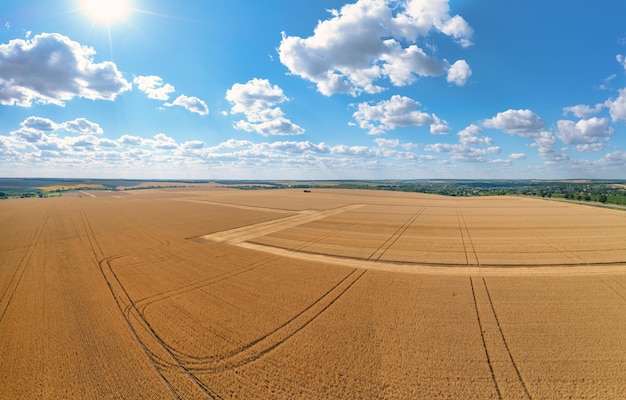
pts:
pixel 483 89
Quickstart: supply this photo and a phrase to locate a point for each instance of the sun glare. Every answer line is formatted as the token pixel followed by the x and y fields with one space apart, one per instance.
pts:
pixel 105 11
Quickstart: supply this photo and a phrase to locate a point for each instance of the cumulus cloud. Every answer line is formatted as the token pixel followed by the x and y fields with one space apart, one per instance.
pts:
pixel 28 135
pixel 472 146
pixel 37 129
pixel 83 126
pixel 472 135
pixel 300 147
pixel 257 100
pixel 162 142
pixel 582 110
pixel 617 107
pixel 587 134
pixel 544 142
pixel 388 143
pixel 439 126
pixel 154 87
pixel 371 40
pixel 460 152
pixel 129 140
pixel 615 158
pixel 517 156
pixel 51 69
pixel 190 103
pixel 398 111
pixel 524 123
pixel 459 73
pixel 527 124
pixel 39 123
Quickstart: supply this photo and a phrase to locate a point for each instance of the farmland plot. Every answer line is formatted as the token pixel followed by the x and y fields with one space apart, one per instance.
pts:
pixel 213 293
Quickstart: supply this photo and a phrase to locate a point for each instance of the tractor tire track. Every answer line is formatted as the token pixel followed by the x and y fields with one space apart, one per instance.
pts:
pixel 504 371
pixel 266 343
pixel 615 287
pixel 9 292
pixel 471 258
pixel 142 332
pixel 146 301
pixel 303 246
pixel 482 337
pixel 506 345
pixel 382 249
pixel 572 256
pixel 261 345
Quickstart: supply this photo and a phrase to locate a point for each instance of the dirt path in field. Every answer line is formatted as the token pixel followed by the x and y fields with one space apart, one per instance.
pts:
pixel 240 206
pixel 241 236
pixel 238 235
pixel 440 269
pixel 87 194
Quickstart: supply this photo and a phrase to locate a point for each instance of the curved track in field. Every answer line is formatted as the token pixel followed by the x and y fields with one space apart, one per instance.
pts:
pixel 244 236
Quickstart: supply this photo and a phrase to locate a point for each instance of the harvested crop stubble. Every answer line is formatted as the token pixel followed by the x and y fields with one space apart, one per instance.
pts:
pixel 213 293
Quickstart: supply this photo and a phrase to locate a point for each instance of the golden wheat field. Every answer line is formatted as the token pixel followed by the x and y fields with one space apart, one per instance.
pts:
pixel 210 293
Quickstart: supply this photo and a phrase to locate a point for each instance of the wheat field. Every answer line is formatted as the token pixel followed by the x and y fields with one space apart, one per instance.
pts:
pixel 211 293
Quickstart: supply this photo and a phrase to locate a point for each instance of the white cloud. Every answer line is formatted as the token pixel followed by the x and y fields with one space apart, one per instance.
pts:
pixel 622 60
pixel 410 146
pixel 83 126
pixel 129 140
pixel 590 147
pixel 257 100
pixel 300 147
pixel 40 124
pixel 616 158
pixel 472 136
pixel 190 103
pixel 82 142
pixel 254 97
pixel 387 143
pixel 517 156
pixel 194 144
pixel 587 134
pixel 526 124
pixel 40 130
pixel 606 82
pixel 460 152
pixel 456 27
pixel 582 110
pixel 459 73
pixel 466 150
pixel 439 126
pixel 163 142
pixel 617 107
pixel 154 87
pixel 51 69
pixel 501 162
pixel 544 142
pixel 369 40
pixel 398 111
pixel 522 123
pixel 28 135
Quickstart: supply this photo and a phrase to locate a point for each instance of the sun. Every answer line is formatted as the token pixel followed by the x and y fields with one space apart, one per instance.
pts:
pixel 106 11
